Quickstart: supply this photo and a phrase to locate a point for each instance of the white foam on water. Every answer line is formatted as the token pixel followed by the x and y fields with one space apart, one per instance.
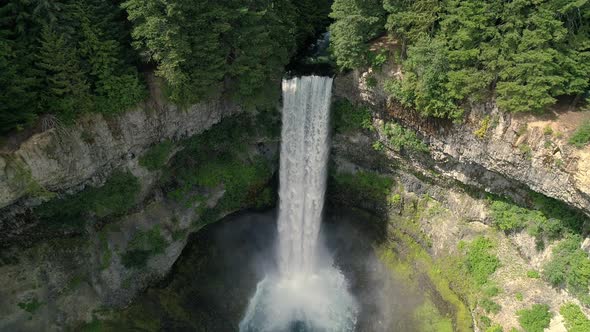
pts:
pixel 306 295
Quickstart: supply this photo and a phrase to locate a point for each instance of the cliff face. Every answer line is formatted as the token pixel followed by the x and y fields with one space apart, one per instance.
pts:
pixel 64 159
pixel 56 279
pixel 501 153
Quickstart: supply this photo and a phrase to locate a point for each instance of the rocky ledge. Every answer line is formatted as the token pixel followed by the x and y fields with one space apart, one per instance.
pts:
pixel 501 153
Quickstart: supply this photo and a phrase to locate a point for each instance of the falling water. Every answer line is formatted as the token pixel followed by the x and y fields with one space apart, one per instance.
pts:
pixel 304 158
pixel 308 294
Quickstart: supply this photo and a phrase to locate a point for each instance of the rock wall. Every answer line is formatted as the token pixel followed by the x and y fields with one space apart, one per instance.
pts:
pixel 501 153
pixel 436 215
pixel 57 282
pixel 64 159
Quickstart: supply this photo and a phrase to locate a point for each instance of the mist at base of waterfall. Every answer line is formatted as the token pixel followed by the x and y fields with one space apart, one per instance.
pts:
pixel 302 302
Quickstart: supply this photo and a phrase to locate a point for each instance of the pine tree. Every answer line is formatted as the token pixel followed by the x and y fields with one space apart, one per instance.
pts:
pixel 67 93
pixel 115 83
pixel 262 41
pixel 17 94
pixel 356 22
pixel 410 21
pixel 184 38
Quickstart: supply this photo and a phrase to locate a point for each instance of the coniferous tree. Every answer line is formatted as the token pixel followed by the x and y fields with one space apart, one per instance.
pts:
pixel 356 22
pixel 411 20
pixel 261 44
pixel 116 87
pixel 184 38
pixel 18 106
pixel 67 93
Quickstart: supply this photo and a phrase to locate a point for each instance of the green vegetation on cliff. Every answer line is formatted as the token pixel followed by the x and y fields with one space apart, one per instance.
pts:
pixel 157 156
pixel 219 159
pixel 527 53
pixel 569 267
pixel 581 136
pixel 72 213
pixel 144 245
pixel 349 117
pixel 575 320
pixel 545 217
pixel 480 261
pixel 535 319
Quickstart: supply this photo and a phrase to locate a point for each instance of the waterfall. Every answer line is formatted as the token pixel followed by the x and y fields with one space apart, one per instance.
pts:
pixel 308 294
pixel 304 159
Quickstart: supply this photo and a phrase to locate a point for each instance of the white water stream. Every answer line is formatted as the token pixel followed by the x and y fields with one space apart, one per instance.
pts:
pixel 307 294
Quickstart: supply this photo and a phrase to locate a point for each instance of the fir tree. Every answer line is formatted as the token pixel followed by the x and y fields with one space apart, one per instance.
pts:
pixel 67 92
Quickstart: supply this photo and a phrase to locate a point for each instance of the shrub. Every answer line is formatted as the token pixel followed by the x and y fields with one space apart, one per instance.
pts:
pixel 348 117
pixel 480 263
pixel 548 130
pixel 216 158
pixel 490 306
pixel 575 320
pixel 378 59
pixel 402 138
pixel 491 290
pixel 367 185
pixel 547 217
pixel 495 328
pixel 115 197
pixel 144 245
pixel 136 258
pixel 371 82
pixel 483 127
pixel 581 136
pixel 30 306
pixel 569 266
pixel 157 156
pixel 535 319
pixel 533 274
pixel 518 296
pixel 509 217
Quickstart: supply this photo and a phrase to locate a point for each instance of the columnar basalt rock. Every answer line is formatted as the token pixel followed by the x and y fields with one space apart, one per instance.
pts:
pixel 64 159
pixel 501 153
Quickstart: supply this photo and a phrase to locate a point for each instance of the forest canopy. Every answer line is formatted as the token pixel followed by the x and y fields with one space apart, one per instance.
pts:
pixel 69 57
pixel 525 53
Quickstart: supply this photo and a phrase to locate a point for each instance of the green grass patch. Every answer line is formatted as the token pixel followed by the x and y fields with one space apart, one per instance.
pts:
pixel 143 246
pixel 348 117
pixel 481 263
pixel 416 261
pixel 365 184
pixel 495 328
pixel 489 306
pixel 535 319
pixel 400 138
pixel 545 217
pixel 533 274
pixel 157 156
pixel 575 320
pixel 430 320
pixel 490 290
pixel 114 198
pixel 30 306
pixel 569 267
pixel 581 136
pixel 218 158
